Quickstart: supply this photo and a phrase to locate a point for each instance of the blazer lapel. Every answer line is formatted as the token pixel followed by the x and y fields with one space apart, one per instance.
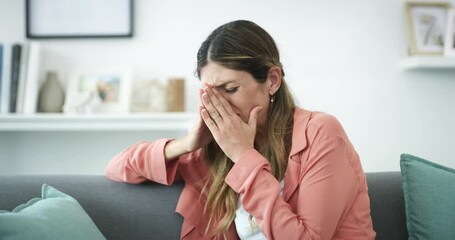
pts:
pixel 292 176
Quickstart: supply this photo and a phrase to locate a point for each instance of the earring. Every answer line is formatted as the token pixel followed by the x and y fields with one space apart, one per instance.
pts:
pixel 272 97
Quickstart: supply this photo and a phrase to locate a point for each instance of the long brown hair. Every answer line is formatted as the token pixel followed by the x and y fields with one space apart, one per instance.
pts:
pixel 245 46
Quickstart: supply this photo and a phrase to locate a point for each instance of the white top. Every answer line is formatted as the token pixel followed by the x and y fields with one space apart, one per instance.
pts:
pixel 246 224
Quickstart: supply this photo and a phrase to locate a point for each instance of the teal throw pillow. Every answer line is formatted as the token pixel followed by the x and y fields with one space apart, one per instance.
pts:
pixel 55 216
pixel 429 194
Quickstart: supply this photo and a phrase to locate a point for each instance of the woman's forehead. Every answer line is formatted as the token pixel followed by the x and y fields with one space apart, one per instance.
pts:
pixel 217 75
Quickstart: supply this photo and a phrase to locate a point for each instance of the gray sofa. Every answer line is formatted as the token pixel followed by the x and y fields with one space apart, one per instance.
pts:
pixel 146 211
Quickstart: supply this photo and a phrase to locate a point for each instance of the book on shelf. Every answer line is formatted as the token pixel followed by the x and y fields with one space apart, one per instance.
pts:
pixel 22 77
pixel 19 77
pixel 6 69
pixel 32 79
pixel 1 74
pixel 15 68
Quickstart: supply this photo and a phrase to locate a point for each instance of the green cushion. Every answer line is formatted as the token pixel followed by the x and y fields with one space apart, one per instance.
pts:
pixel 429 194
pixel 54 216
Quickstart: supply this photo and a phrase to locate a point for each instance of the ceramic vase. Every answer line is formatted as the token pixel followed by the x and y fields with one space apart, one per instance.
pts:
pixel 51 95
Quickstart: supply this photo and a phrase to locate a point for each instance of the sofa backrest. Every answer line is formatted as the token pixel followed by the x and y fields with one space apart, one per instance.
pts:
pixel 147 211
pixel 387 205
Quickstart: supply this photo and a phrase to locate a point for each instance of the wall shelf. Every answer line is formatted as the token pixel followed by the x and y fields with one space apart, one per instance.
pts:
pixel 428 62
pixel 129 122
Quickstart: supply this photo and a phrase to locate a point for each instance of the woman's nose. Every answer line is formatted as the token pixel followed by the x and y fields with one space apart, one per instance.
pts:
pixel 225 96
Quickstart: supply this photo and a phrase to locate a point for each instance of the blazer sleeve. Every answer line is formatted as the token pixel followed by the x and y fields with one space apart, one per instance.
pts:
pixel 141 162
pixel 327 189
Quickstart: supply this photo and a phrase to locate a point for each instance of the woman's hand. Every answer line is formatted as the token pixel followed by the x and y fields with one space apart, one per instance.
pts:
pixel 234 136
pixel 199 136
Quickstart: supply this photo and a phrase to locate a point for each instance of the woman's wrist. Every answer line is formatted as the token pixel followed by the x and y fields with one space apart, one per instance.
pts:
pixel 175 148
pixel 235 157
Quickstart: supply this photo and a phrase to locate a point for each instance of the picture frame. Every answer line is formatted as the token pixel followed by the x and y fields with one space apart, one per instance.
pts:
pixel 426 24
pixel 148 95
pixel 449 43
pixel 101 92
pixel 79 19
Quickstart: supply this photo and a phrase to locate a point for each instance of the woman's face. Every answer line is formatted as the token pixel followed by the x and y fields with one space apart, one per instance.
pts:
pixel 240 89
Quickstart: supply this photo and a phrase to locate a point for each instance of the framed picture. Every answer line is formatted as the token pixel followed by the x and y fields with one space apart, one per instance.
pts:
pixel 148 96
pixel 449 43
pixel 426 27
pixel 100 92
pixel 78 18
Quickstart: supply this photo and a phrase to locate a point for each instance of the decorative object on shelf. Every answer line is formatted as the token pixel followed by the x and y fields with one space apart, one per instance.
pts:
pixel 158 92
pixel 79 19
pixel 449 43
pixel 426 27
pixel 176 95
pixel 141 96
pixel 51 94
pixel 148 96
pixel 99 92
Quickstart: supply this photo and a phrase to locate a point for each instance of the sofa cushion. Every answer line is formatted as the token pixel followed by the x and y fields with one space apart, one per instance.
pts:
pixel 429 193
pixel 54 216
pixel 119 210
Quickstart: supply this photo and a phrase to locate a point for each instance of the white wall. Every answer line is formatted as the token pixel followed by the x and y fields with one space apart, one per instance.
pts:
pixel 341 57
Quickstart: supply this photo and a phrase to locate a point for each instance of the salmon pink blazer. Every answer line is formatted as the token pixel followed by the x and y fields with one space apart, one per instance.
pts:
pixel 325 193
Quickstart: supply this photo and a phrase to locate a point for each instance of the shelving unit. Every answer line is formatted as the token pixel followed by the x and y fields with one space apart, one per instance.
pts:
pixel 79 144
pixel 65 123
pixel 428 62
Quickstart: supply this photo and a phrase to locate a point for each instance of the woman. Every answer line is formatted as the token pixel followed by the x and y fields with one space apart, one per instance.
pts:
pixel 255 165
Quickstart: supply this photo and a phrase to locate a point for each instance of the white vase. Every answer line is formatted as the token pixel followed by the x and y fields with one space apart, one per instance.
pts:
pixel 51 95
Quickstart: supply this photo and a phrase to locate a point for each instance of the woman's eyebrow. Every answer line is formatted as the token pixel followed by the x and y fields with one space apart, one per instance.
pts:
pixel 223 84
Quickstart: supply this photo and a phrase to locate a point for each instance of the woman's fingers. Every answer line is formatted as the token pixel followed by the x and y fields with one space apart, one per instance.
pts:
pixel 209 122
pixel 226 106
pixel 213 105
pixel 210 108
